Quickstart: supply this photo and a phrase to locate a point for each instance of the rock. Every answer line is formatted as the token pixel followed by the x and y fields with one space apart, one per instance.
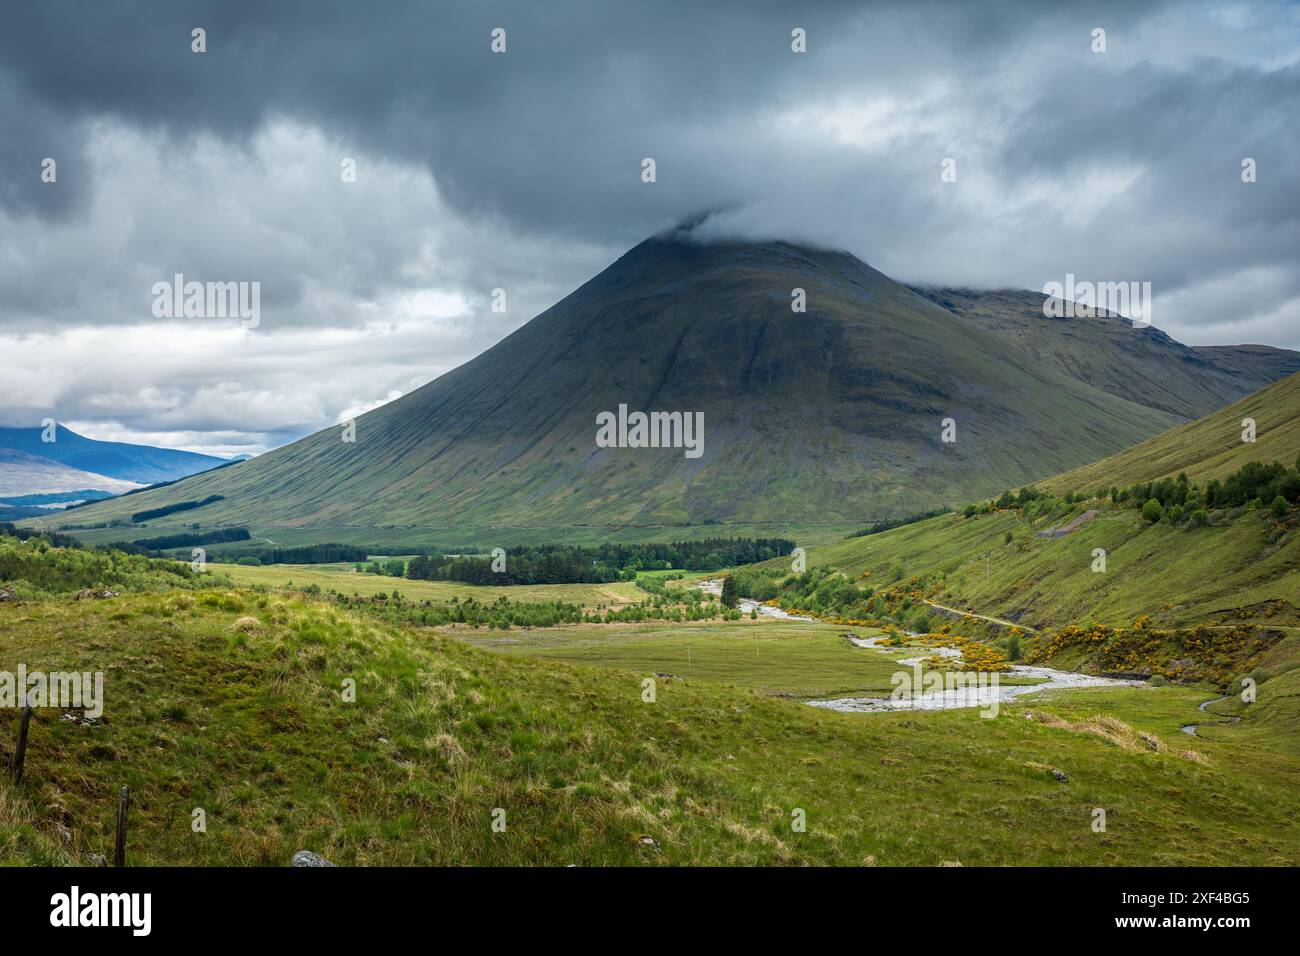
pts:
pixel 98 859
pixel 308 858
pixel 648 841
pixel 97 593
pixel 1059 776
pixel 1152 741
pixel 7 594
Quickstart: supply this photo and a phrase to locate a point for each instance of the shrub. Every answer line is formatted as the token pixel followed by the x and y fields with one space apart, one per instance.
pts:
pixel 730 597
pixel 1151 511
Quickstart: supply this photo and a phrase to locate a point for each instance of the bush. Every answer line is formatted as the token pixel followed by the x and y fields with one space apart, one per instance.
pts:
pixel 1151 511
pixel 1279 507
pixel 730 597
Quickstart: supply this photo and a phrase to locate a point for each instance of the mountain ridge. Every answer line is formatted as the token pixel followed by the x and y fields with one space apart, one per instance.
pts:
pixel 139 464
pixel 833 415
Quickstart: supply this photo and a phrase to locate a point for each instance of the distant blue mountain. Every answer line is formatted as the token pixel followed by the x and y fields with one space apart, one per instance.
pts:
pixel 140 463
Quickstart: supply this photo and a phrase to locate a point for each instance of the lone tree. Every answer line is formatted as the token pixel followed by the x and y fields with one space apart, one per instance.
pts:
pixel 729 596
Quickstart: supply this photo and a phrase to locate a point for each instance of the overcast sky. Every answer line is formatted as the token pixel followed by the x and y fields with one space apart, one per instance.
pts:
pixel 522 170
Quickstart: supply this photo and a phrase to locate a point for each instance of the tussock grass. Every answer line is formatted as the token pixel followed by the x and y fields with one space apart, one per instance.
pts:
pixel 250 726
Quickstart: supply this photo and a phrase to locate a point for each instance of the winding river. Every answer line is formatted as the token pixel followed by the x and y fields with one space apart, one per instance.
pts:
pixel 1228 719
pixel 980 695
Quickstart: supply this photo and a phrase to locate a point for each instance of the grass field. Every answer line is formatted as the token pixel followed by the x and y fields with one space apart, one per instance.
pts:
pixel 345 580
pixel 230 702
pixel 784 658
pixel 791 658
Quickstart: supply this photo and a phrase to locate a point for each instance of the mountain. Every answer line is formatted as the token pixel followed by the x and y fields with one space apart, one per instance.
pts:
pixel 138 464
pixel 23 474
pixel 1108 353
pixel 821 419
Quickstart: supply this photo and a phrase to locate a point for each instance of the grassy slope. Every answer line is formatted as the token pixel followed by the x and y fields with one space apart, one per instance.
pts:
pixel 1273 721
pixel 1209 447
pixel 409 540
pixel 248 724
pixel 1177 575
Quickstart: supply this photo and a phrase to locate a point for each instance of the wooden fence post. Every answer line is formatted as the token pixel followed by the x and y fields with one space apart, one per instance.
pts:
pixel 119 851
pixel 20 754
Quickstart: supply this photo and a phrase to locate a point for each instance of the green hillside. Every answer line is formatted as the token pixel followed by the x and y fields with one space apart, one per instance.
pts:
pixel 230 702
pixel 1177 575
pixel 1208 448
pixel 1178 571
pixel 818 420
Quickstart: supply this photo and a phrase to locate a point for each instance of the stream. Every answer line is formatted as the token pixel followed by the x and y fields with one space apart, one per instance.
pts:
pixel 1191 728
pixel 982 695
pixel 714 586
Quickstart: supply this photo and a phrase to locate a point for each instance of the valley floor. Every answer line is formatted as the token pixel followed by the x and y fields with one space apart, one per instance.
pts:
pixel 232 702
pixel 346 580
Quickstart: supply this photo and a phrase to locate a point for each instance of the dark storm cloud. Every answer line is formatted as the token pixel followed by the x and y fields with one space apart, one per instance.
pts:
pixel 549 135
pixel 522 170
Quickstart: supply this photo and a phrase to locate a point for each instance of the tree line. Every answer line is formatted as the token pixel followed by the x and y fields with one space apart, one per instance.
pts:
pixel 570 564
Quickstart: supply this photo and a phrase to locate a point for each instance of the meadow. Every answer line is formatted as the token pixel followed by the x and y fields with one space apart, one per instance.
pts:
pixel 346 580
pixel 231 702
